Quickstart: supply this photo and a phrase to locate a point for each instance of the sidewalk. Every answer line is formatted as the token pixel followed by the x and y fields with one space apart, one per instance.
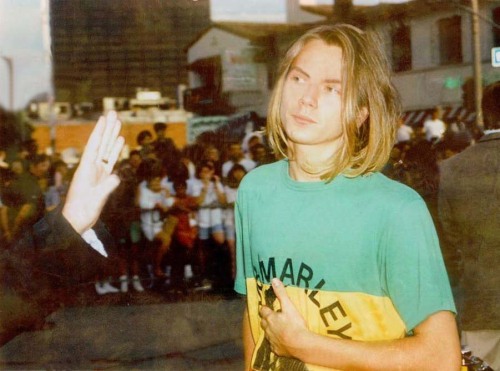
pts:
pixel 177 336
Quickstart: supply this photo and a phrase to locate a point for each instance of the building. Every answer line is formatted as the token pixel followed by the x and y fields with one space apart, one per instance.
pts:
pixel 111 48
pixel 429 44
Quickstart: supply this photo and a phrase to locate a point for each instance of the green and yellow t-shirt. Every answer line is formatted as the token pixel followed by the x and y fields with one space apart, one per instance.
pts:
pixel 359 257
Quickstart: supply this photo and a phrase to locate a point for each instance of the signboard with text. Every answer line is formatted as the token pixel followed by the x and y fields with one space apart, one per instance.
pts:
pixel 495 57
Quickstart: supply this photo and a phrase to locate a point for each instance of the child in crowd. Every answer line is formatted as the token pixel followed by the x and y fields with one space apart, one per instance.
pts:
pixel 209 193
pixel 155 202
pixel 184 209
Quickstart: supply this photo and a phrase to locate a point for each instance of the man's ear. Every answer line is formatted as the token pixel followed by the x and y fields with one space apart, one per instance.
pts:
pixel 363 115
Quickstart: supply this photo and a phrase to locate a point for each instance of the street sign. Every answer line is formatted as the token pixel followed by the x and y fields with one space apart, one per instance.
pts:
pixel 495 57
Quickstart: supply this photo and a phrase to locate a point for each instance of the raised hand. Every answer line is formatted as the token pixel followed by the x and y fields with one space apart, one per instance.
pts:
pixel 284 329
pixel 93 181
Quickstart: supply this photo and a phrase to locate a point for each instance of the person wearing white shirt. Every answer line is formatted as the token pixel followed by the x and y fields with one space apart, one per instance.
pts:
pixel 236 156
pixel 154 202
pixel 209 192
pixel 434 128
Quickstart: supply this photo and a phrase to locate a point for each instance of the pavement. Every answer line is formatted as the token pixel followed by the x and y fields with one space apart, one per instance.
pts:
pixel 197 335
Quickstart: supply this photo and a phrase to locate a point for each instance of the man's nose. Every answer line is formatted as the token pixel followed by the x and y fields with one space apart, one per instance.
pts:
pixel 310 96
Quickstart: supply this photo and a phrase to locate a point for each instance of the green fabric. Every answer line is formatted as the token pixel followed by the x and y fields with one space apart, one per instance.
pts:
pixel 367 234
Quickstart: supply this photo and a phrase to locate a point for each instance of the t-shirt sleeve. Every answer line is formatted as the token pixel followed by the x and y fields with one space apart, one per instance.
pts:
pixel 241 245
pixel 415 275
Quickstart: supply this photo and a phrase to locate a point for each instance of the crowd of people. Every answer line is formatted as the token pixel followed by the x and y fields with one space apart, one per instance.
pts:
pixel 171 218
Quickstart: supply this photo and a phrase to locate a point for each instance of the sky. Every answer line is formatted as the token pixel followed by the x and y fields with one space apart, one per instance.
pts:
pixel 22 41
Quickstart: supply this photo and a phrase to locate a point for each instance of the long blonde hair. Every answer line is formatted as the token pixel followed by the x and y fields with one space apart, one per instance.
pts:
pixel 366 85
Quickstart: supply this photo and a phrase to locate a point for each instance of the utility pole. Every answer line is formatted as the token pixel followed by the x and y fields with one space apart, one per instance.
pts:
pixel 10 64
pixel 342 10
pixel 478 78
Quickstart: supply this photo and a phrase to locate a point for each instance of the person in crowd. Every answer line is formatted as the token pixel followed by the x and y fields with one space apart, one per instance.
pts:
pixel 134 160
pixel 7 206
pixel 250 140
pixel 145 142
pixel 17 166
pixel 58 186
pixel 211 153
pixel 260 154
pixel 122 218
pixel 208 190
pixel 404 133
pixel 184 208
pixel 469 209
pixel 232 183
pixel 164 147
pixel 236 156
pixel 434 128
pixel 28 192
pixel 156 226
pixel 186 165
pixel 341 266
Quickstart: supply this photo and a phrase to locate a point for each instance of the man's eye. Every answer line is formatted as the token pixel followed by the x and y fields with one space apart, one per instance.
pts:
pixel 332 89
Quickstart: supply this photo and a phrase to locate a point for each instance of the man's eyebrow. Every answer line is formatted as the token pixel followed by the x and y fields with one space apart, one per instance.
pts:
pixel 328 81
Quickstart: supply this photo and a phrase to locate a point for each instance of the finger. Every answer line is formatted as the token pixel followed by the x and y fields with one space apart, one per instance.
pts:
pixel 265 311
pixel 281 294
pixel 107 137
pixel 92 148
pixel 114 154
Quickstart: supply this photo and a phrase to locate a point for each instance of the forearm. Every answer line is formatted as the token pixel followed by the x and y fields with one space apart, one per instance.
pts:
pixel 248 342
pixel 423 351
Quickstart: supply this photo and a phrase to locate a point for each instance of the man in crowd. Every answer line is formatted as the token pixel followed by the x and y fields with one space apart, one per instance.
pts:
pixel 469 209
pixel 236 156
pixel 434 128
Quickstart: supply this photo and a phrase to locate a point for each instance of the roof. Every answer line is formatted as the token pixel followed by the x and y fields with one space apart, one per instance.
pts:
pixel 383 11
pixel 252 31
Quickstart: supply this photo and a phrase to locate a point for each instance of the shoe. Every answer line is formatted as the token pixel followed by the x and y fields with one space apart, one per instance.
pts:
pixel 105 288
pixel 99 289
pixel 124 284
pixel 136 283
pixel 109 288
pixel 204 285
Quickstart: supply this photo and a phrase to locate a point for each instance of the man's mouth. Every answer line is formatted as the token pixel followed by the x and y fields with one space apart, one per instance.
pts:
pixel 301 119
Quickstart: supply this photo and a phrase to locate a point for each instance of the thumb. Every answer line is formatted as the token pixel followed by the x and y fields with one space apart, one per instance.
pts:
pixel 281 294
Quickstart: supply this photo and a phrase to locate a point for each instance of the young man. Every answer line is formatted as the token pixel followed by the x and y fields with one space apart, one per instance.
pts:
pixel 340 265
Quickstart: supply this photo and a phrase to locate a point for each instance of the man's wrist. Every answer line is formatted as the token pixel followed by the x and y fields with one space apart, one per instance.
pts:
pixel 72 217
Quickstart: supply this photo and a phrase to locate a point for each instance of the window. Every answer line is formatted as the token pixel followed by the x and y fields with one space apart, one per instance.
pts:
pixel 450 40
pixel 401 49
pixel 495 15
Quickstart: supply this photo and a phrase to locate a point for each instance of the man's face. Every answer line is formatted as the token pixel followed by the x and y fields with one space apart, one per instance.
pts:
pixel 135 161
pixel 206 173
pixel 155 184
pixel 311 102
pixel 40 169
pixel 160 133
pixel 235 152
